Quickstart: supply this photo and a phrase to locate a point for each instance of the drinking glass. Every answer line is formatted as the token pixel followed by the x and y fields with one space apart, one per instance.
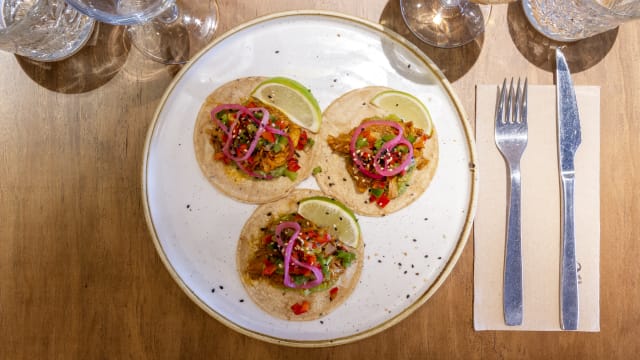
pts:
pixel 571 20
pixel 168 31
pixel 42 30
pixel 445 23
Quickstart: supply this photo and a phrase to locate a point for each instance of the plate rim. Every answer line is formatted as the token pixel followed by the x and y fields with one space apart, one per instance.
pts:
pixel 460 244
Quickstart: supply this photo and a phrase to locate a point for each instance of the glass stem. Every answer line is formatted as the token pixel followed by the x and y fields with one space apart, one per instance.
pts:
pixel 452 3
pixel 452 8
pixel 170 15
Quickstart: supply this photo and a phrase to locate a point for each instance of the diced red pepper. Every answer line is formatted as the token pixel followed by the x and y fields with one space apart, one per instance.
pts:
pixel 383 200
pixel 308 234
pixel 370 138
pixel 324 238
pixel 333 293
pixel 300 308
pixel 302 141
pixel 281 124
pixel 268 136
pixel 269 268
pixel 221 157
pixel 311 259
pixel 267 239
pixel 292 165
pixel 242 149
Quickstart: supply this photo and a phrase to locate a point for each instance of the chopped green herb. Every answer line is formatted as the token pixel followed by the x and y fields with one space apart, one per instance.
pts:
pixel 387 137
pixel 346 257
pixel 377 192
pixel 403 149
pixel 310 143
pixel 279 171
pixel 292 175
pixel 282 140
pixel 299 279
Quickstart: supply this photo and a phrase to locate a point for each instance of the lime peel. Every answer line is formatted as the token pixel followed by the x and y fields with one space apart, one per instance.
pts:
pixel 293 99
pixel 333 215
pixel 405 106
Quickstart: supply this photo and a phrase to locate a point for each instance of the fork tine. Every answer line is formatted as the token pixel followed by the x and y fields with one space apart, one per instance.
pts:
pixel 524 102
pixel 517 104
pixel 500 103
pixel 508 114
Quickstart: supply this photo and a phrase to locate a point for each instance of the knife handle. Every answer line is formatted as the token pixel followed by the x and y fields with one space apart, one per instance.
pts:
pixel 568 267
pixel 512 286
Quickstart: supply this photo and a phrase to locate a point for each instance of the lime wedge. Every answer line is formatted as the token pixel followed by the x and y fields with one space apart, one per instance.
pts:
pixel 293 99
pixel 406 106
pixel 333 215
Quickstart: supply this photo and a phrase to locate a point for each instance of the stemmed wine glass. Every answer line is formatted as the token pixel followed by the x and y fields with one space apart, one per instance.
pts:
pixel 445 23
pixel 168 31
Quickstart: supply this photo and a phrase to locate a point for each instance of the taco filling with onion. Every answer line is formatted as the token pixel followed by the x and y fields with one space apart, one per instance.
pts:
pixel 377 160
pixel 381 155
pixel 292 267
pixel 249 148
pixel 258 140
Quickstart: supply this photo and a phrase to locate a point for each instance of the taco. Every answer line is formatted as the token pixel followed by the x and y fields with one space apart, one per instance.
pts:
pixel 247 149
pixel 373 161
pixel 322 271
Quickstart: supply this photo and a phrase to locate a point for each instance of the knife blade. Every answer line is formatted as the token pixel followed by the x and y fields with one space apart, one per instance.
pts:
pixel 569 138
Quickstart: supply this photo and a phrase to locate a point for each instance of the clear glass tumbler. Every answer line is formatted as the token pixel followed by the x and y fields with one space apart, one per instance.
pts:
pixel 572 20
pixel 42 30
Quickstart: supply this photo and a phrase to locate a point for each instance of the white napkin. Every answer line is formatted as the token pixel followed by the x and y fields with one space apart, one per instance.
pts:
pixel 541 237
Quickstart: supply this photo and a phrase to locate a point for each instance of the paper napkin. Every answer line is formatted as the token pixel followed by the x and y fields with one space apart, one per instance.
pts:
pixel 541 236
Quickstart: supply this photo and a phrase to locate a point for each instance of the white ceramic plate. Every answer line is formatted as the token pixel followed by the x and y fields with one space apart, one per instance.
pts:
pixel 195 227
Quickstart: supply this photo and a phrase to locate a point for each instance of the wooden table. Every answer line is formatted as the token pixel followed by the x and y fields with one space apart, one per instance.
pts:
pixel 79 275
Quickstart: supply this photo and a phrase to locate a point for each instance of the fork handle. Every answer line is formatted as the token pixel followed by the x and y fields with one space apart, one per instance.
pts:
pixel 568 269
pixel 512 291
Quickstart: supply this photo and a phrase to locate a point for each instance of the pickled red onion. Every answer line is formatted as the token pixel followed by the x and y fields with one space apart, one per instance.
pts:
pixel 262 126
pixel 386 148
pixel 381 172
pixel 288 259
pixel 252 145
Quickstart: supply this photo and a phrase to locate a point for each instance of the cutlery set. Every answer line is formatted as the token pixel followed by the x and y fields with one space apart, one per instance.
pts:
pixel 511 136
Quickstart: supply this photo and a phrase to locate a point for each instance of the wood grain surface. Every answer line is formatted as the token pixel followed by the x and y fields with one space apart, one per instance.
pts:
pixel 79 275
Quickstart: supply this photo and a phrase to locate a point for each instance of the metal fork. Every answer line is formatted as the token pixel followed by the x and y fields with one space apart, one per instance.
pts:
pixel 511 139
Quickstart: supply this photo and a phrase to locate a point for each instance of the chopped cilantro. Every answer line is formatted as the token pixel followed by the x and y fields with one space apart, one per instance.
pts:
pixel 346 257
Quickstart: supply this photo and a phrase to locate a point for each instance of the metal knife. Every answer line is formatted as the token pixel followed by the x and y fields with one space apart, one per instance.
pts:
pixel 569 138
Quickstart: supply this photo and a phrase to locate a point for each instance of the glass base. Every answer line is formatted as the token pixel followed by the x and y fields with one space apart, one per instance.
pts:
pixel 177 35
pixel 445 24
